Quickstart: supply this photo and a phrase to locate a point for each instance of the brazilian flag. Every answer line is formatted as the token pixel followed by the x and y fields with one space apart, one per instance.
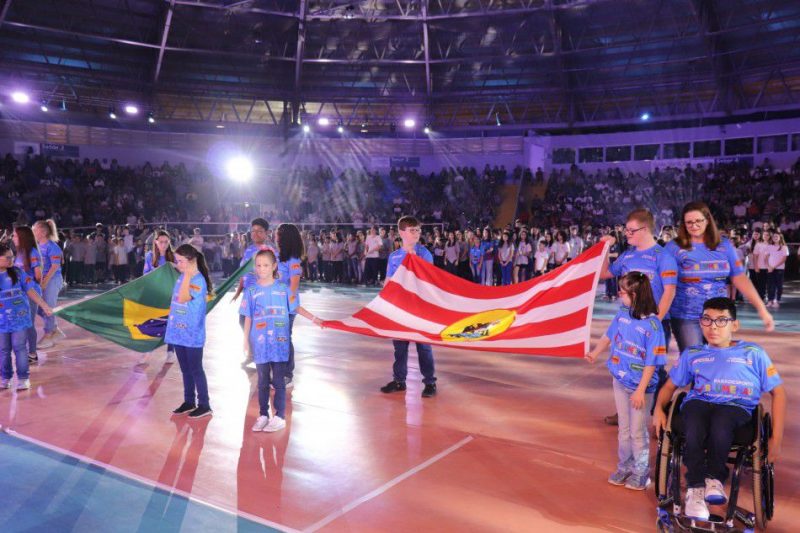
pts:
pixel 134 315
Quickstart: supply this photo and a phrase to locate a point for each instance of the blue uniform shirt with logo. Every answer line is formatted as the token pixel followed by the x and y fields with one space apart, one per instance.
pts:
pixel 736 375
pixel 148 262
pixel 475 254
pixel 36 260
pixel 635 344
pixel 702 274
pixel 51 257
pixel 287 270
pixel 398 255
pixel 659 266
pixel 268 308
pixel 15 308
pixel 186 325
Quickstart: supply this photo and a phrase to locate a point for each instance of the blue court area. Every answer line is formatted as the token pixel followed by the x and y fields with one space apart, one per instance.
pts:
pixel 46 491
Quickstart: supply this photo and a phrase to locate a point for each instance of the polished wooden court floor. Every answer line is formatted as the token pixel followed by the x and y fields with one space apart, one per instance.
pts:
pixel 511 443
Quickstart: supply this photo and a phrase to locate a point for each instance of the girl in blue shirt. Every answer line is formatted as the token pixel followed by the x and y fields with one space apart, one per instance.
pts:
pixel 186 328
pixel 476 259
pixel 16 290
pixel 290 267
pixel 707 263
pixel 29 261
pixel 46 235
pixel 636 337
pixel 266 307
pixel 487 268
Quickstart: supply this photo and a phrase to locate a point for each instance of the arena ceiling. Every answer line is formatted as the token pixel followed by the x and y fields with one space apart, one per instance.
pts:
pixel 451 63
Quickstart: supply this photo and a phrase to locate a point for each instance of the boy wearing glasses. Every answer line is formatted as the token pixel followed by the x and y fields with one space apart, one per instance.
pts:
pixel 410 232
pixel 726 378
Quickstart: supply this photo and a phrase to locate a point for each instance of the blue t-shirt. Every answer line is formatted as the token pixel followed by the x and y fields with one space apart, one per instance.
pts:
pixel 36 261
pixel 186 325
pixel 488 248
pixel 148 262
pixel 635 344
pixel 475 254
pixel 702 274
pixel 287 270
pixel 51 257
pixel 736 375
pixel 15 308
pixel 252 250
pixel 398 255
pixel 268 308
pixel 659 266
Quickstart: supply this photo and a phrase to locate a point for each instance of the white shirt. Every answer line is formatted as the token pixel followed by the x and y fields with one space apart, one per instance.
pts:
pixel 374 243
pixel 774 253
pixel 541 258
pixel 760 251
pixel 523 251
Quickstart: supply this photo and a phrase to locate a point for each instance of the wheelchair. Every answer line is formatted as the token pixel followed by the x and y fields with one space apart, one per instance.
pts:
pixel 748 455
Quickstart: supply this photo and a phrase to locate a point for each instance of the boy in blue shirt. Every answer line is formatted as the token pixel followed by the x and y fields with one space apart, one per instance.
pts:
pixel 726 379
pixel 410 231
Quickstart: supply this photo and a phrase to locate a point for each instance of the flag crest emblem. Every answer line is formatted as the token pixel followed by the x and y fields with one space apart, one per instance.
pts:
pixel 479 326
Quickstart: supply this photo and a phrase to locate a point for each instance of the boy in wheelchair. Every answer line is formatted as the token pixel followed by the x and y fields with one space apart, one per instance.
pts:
pixel 726 378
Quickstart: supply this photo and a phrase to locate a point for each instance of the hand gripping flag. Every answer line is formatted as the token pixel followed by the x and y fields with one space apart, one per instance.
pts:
pixel 549 315
pixel 134 315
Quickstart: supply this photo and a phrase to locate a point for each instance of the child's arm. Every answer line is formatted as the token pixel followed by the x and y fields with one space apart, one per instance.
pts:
pixel 248 323
pixel 659 414
pixel 602 345
pixel 778 417
pixel 184 294
pixel 302 312
pixel 637 398
pixel 33 295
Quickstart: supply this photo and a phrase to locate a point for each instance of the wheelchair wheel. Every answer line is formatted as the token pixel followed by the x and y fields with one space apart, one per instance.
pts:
pixel 663 467
pixel 763 477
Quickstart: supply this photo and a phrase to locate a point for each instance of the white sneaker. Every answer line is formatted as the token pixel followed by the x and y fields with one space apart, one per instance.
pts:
pixel 715 492
pixel 171 358
pixel 46 342
pixel 695 505
pixel 776 304
pixel 5 383
pixel 276 423
pixel 23 384
pixel 261 423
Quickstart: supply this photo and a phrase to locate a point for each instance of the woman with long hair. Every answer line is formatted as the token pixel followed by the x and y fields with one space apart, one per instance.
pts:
pixel 161 252
pixel 29 260
pixel 290 250
pixel 46 234
pixel 777 252
pixel 707 262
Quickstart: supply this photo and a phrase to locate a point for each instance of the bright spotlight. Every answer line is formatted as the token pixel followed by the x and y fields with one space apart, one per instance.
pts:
pixel 645 116
pixel 306 128
pixel 150 118
pixel 20 97
pixel 240 169
pixel 340 129
pixel 112 114
pixel 44 108
pixel 323 121
pixel 427 130
pixel 131 109
pixel 409 123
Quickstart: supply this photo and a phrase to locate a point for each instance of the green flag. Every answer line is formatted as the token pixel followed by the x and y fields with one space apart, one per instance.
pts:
pixel 134 315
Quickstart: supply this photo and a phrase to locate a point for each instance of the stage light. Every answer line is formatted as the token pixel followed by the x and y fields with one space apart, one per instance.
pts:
pixel 645 116
pixel 63 105
pixel 497 119
pixel 426 130
pixel 150 118
pixel 409 123
pixel 131 109
pixel 240 169
pixel 112 114
pixel 340 129
pixel 20 97
pixel 306 128
pixel 44 107
pixel 323 121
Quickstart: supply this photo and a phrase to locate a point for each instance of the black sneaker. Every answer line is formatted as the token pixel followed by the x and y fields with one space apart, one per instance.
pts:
pixel 429 390
pixel 394 386
pixel 33 358
pixel 288 382
pixel 184 408
pixel 201 411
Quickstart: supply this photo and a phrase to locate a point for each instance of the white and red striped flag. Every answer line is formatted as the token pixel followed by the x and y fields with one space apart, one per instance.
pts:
pixel 549 315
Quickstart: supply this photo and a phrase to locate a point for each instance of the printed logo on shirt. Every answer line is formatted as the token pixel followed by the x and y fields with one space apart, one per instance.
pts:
pixel 637 367
pixel 669 274
pixel 261 325
pixel 772 371
pixel 615 359
pixel 194 287
pixel 660 350
pixel 740 360
pixel 701 360
pixel 624 320
pixel 282 339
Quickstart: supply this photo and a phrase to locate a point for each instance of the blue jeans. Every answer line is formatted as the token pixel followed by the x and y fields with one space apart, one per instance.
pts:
pixel 426 366
pixel 272 373
pixel 50 295
pixel 475 271
pixel 194 377
pixel 634 442
pixel 16 341
pixel 487 272
pixel 32 336
pixel 506 273
pixel 290 363
pixel 775 285
pixel 687 332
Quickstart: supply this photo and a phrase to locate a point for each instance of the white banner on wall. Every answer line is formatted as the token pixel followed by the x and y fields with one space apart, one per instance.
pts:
pixel 22 148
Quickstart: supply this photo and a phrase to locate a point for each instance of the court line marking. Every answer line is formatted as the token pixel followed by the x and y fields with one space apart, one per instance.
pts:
pixel 149 482
pixel 386 486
